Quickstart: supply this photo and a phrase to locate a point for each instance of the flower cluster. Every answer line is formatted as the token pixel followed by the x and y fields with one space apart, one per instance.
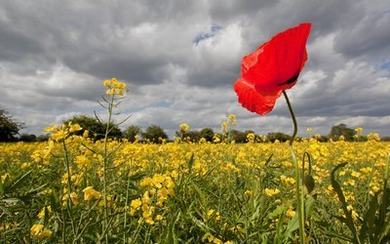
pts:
pixel 60 132
pixel 184 127
pixel 91 194
pixel 160 187
pixel 39 231
pixel 115 87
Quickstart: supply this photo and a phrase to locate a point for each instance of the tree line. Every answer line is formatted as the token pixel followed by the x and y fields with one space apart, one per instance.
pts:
pixel 9 131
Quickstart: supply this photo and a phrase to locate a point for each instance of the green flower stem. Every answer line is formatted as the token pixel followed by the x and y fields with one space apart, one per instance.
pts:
pixel 68 202
pixel 299 194
pixel 110 108
pixel 125 212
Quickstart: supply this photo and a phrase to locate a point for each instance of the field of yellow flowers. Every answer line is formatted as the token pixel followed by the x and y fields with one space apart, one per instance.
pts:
pixel 73 190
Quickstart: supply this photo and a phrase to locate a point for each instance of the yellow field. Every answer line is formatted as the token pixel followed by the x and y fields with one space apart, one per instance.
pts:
pixel 182 192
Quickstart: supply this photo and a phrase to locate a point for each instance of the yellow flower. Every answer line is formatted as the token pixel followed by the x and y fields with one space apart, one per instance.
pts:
pixel 287 180
pixel 211 213
pixel 216 139
pixel 184 127
pixel 251 137
pixel 290 213
pixel 135 205
pixel 82 161
pixel 232 118
pixel 114 87
pixel 41 213
pixel 373 136
pixel 211 239
pixel 60 135
pixel 271 192
pixel 107 83
pixel 248 193
pixel 74 128
pixel 224 127
pixel 46 233
pixel 91 194
pixel 110 92
pixel 359 131
pixel 121 86
pixel 38 231
pixel 159 217
pixel 74 198
pixel 50 129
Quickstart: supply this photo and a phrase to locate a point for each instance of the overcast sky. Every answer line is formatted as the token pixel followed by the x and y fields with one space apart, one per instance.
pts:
pixel 180 59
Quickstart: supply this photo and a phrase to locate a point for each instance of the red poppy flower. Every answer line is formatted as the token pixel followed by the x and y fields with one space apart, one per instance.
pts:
pixel 271 69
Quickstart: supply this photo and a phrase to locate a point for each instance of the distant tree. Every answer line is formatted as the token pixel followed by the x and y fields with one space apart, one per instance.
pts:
pixel 132 132
pixel 9 128
pixel 273 136
pixel 385 138
pixel 342 130
pixel 364 138
pixel 238 136
pixel 207 133
pixel 43 137
pixel 192 135
pixel 249 132
pixel 154 134
pixel 28 137
pixel 322 138
pixel 96 129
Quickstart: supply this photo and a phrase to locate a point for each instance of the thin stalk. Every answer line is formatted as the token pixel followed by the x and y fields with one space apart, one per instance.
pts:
pixel 110 106
pixel 299 195
pixel 63 225
pixel 68 202
pixel 294 120
pixel 125 213
pixel 80 230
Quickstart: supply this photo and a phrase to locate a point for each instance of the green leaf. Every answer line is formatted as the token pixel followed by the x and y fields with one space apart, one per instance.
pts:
pixel 383 212
pixel 17 181
pixel 137 176
pixel 337 188
pixel 309 205
pixel 191 162
pixel 1 188
pixel 171 236
pixel 369 219
pixel 293 225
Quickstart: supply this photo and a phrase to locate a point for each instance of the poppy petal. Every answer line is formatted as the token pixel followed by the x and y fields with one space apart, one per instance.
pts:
pixel 275 65
pixel 253 100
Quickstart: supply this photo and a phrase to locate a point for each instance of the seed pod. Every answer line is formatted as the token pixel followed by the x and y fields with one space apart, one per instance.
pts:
pixel 309 183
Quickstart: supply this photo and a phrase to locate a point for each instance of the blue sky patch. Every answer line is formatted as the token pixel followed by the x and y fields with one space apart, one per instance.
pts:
pixel 206 35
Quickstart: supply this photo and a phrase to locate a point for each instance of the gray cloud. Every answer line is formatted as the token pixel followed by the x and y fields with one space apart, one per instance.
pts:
pixel 54 56
pixel 369 35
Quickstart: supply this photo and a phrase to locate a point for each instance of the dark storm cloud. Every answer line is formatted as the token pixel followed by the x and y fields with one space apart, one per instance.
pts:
pixel 16 45
pixel 226 10
pixel 92 38
pixel 370 35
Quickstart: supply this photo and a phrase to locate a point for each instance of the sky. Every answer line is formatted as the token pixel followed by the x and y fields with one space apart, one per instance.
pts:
pixel 180 59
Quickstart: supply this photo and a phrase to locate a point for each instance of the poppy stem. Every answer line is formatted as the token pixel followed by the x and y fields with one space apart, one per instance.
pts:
pixel 292 117
pixel 299 194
